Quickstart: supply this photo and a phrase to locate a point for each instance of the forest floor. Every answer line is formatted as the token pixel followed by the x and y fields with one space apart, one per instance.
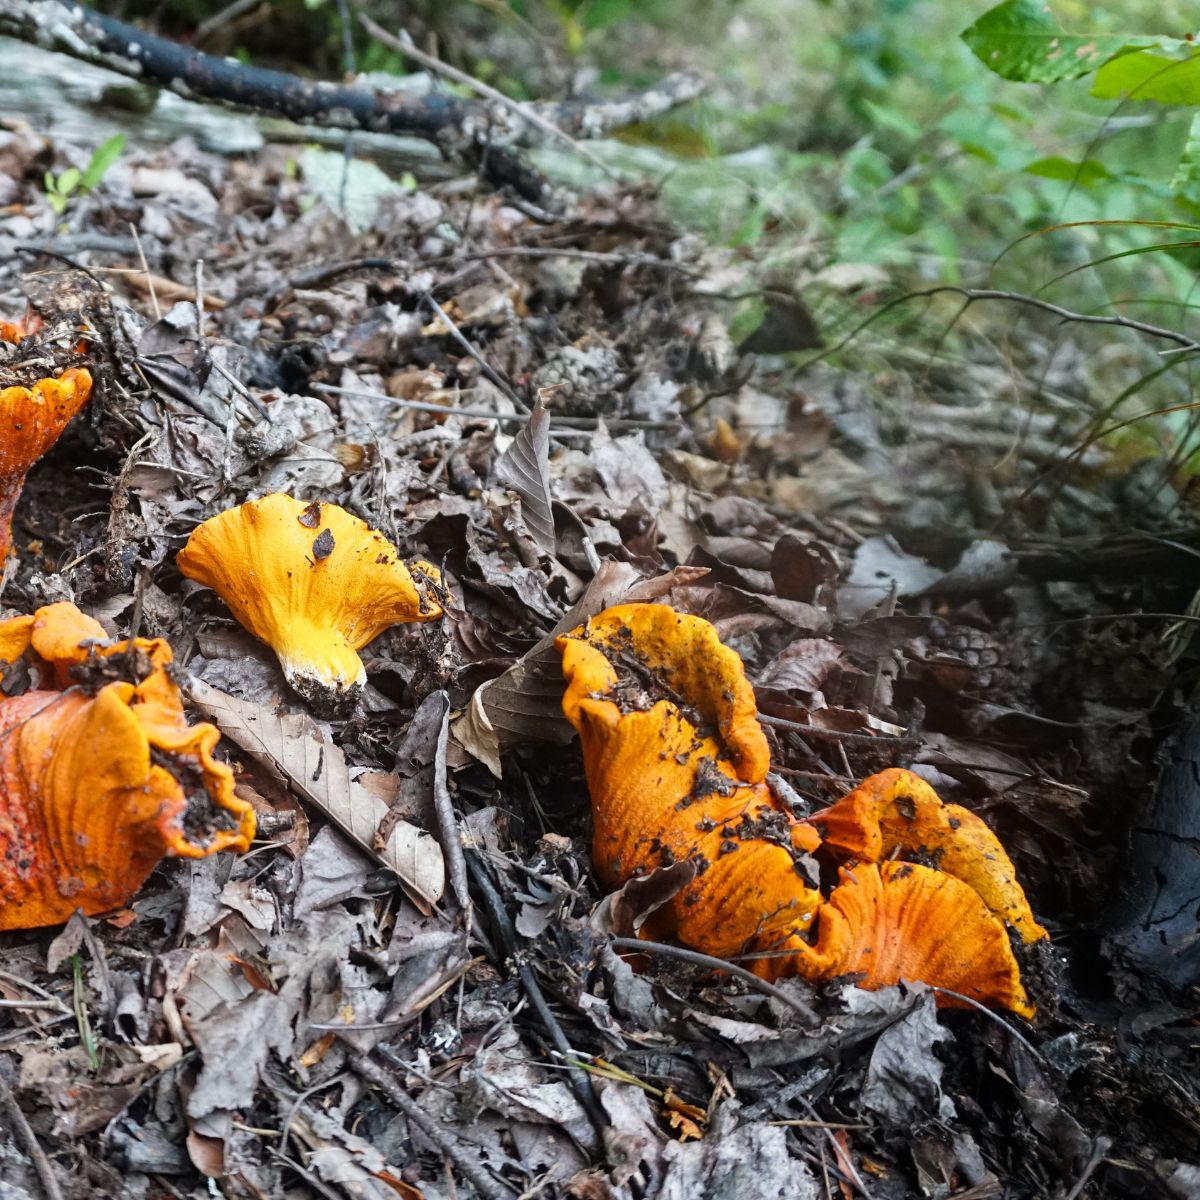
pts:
pixel 912 572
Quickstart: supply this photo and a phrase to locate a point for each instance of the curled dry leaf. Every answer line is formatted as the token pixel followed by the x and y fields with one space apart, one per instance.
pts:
pixel 314 582
pixel 315 768
pixel 524 704
pixel 676 762
pixel 99 782
pixel 525 467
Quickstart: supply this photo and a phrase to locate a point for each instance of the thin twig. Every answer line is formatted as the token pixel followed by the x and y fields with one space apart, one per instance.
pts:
pixel 1100 1147
pixel 483 1183
pixel 18 981
pixel 225 15
pixel 245 393
pixel 842 1158
pixel 22 1132
pixel 580 1080
pixel 405 46
pixel 488 370
pixel 973 294
pixel 298 1101
pixel 574 425
pixel 456 865
pixel 137 241
pixel 593 256
pixel 799 1124
pixel 312 1180
pixel 987 1012
pixel 636 946
pixel 837 735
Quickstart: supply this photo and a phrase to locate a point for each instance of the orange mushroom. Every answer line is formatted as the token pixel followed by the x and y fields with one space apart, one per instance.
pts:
pixel 31 420
pixel 102 779
pixel 899 921
pixel 676 762
pixel 897 812
pixel 314 582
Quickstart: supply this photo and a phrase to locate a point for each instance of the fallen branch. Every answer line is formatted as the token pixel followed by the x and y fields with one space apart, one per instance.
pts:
pixel 475 131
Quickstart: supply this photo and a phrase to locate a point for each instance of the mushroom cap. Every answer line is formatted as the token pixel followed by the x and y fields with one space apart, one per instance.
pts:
pixel 311 580
pixel 31 420
pixel 900 921
pixel 96 789
pixel 675 761
pixel 896 811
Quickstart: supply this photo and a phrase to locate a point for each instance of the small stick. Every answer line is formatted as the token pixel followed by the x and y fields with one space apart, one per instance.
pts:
pixel 405 46
pixel 837 735
pixel 594 256
pixel 312 1180
pixel 456 864
pixel 574 424
pixel 987 1012
pixel 137 241
pixel 1100 1147
pixel 580 1080
pixel 21 1130
pixel 484 1184
pixel 636 945
pixel 458 335
pixel 799 1124
pixel 228 13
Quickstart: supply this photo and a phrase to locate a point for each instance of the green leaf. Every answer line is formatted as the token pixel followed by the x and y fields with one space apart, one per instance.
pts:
pixel 68 181
pixel 1021 40
pixel 1143 76
pixel 1187 174
pixel 1084 173
pixel 889 118
pixel 104 156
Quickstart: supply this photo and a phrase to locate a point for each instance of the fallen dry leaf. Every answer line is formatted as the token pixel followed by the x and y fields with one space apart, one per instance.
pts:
pixel 524 467
pixel 315 768
pixel 525 703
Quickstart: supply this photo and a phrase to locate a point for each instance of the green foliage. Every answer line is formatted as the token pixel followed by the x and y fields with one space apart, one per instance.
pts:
pixel 62 188
pixel 1021 40
pixel 1145 76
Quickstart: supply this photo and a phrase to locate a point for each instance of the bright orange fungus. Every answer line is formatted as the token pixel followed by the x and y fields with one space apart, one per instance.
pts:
pixel 676 764
pixel 101 776
pixel 31 420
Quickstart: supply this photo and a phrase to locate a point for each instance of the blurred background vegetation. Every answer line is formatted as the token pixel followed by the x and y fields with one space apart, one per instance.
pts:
pixel 859 132
pixel 865 129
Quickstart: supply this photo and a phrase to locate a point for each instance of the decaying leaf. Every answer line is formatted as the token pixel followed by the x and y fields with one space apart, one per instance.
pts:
pixel 295 746
pixel 525 467
pixel 525 703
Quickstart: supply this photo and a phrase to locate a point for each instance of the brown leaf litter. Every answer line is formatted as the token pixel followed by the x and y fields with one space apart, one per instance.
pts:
pixel 407 985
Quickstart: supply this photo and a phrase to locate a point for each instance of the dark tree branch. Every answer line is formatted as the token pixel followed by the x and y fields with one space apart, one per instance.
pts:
pixel 106 42
pixel 479 133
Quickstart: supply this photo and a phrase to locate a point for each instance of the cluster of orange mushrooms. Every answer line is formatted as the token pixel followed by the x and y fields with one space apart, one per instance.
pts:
pixel 101 775
pixel 677 764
